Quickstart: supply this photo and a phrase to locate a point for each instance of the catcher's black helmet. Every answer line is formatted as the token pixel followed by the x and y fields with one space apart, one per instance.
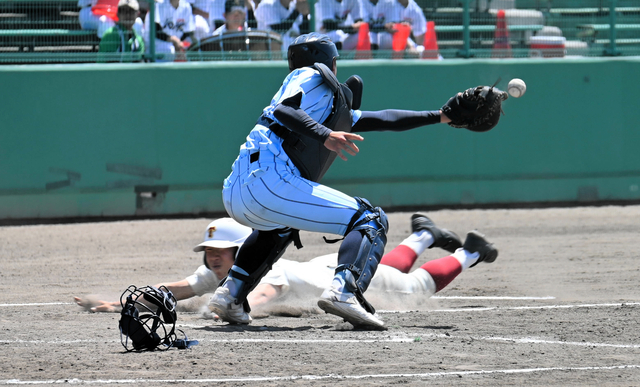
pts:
pixel 148 320
pixel 310 48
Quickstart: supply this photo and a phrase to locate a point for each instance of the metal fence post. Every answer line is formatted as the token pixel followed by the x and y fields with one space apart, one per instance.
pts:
pixel 466 35
pixel 312 14
pixel 612 51
pixel 152 30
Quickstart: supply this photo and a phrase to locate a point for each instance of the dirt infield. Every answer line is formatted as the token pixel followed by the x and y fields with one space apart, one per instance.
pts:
pixel 560 307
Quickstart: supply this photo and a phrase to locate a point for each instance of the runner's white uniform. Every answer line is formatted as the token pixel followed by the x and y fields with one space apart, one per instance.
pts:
pixel 307 280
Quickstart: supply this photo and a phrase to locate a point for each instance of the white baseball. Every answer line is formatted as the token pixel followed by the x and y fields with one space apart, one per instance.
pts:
pixel 517 87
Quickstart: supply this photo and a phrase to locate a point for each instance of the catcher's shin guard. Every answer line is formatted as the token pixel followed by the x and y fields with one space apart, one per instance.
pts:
pixel 270 243
pixel 372 224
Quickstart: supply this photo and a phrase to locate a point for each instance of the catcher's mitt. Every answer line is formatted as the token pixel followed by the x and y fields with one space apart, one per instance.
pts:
pixel 477 109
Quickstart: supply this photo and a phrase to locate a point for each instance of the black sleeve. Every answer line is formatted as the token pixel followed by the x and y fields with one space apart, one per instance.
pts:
pixel 331 24
pixel 161 34
pixel 305 26
pixel 286 24
pixel 251 19
pixel 395 120
pixel 377 28
pixel 297 120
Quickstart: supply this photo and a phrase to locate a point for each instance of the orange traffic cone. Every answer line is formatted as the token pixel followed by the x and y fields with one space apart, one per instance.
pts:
pixel 501 42
pixel 400 36
pixel 430 42
pixel 363 49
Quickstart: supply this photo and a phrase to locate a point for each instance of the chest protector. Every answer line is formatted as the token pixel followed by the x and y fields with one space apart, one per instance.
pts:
pixel 311 157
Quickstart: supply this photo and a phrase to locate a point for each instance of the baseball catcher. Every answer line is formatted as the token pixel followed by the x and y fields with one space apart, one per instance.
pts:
pixel 274 186
pixel 477 109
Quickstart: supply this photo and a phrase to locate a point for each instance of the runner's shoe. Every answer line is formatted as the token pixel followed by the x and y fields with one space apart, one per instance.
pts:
pixel 443 238
pixel 476 243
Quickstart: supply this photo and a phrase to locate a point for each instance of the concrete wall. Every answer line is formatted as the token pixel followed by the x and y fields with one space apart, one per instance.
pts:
pixel 125 140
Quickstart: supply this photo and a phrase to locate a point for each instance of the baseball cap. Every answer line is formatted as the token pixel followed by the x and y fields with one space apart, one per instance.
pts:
pixel 223 233
pixel 129 3
pixel 233 5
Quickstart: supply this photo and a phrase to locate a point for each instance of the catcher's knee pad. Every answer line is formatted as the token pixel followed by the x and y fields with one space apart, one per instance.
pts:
pixel 373 224
pixel 270 246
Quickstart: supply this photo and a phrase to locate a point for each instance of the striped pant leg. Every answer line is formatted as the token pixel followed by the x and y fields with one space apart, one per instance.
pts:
pixel 267 196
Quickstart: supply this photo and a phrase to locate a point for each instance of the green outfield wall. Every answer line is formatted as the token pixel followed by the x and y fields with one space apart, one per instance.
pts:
pixel 153 139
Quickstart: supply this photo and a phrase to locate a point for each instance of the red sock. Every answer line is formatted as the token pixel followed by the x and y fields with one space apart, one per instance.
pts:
pixel 402 258
pixel 443 270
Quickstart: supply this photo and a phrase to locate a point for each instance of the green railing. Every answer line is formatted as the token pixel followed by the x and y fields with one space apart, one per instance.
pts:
pixel 48 31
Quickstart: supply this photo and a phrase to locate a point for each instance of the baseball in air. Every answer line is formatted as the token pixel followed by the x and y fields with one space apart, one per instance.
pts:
pixel 517 87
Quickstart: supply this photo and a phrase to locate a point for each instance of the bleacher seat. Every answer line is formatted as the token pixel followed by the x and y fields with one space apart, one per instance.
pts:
pixel 44 26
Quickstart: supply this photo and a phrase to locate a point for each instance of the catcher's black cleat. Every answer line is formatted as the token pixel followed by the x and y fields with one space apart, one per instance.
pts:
pixel 476 242
pixel 443 238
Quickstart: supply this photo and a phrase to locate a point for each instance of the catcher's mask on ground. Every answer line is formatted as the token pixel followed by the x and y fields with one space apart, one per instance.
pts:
pixel 148 320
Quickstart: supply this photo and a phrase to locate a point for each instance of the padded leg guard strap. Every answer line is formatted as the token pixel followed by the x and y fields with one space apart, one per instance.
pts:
pixel 372 225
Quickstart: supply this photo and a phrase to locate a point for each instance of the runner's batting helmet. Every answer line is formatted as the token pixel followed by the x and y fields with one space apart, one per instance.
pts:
pixel 310 48
pixel 223 233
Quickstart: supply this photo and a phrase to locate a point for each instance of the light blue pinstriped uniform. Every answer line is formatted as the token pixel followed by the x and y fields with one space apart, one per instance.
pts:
pixel 269 193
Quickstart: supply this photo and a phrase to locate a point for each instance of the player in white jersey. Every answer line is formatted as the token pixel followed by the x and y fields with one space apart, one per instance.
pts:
pixel 234 18
pixel 411 14
pixel 289 18
pixel 339 20
pixel 174 24
pixel 381 16
pixel 201 10
pixel 307 280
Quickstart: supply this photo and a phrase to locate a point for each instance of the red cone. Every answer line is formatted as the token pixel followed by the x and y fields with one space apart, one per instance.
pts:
pixel 501 42
pixel 400 36
pixel 363 49
pixel 430 42
pixel 108 8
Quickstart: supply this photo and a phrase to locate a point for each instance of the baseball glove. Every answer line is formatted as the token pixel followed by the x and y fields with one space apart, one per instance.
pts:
pixel 477 109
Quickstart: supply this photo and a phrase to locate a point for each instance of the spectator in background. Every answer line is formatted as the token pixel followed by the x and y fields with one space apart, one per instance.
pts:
pixel 201 10
pixel 175 28
pixel 218 10
pixel 340 21
pixel 100 23
pixel 235 17
pixel 122 38
pixel 289 18
pixel 411 14
pixel 381 16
